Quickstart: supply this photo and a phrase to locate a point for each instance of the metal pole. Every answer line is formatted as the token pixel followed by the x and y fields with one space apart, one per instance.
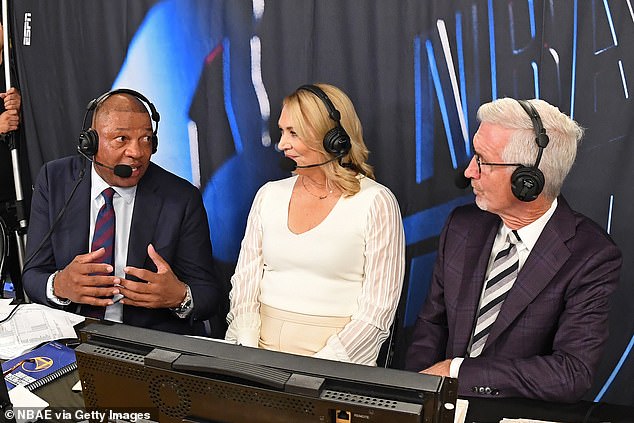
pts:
pixel 20 232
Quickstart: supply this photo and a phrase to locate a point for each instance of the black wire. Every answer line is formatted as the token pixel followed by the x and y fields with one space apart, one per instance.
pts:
pixel 10 314
pixel 57 219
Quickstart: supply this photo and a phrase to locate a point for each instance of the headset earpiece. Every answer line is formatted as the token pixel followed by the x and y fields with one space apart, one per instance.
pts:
pixel 527 182
pixel 88 142
pixel 336 141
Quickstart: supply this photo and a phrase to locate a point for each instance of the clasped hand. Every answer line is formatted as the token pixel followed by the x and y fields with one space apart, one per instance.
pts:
pixel 84 281
pixel 10 118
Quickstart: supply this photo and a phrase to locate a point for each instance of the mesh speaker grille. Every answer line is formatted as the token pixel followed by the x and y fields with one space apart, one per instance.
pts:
pixel 218 393
pixel 88 390
pixel 170 396
pixel 115 367
pixel 272 401
pixel 91 365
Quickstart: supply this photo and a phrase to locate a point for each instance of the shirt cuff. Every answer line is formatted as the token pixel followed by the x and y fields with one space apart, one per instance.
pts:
pixel 454 367
pixel 50 292
pixel 244 330
pixel 333 350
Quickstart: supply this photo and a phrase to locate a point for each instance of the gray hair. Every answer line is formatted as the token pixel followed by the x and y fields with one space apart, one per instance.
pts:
pixel 563 132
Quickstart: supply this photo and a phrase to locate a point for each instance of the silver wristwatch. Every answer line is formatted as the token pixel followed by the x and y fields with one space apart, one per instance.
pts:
pixel 183 309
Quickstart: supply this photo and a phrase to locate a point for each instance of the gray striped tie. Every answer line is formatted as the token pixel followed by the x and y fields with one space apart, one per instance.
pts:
pixel 501 278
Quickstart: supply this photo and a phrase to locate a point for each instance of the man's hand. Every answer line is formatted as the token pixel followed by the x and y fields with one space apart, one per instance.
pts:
pixel 162 290
pixel 9 121
pixel 12 99
pixel 83 280
pixel 439 369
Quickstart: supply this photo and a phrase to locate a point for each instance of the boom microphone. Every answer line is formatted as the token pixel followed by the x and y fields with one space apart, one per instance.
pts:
pixel 460 180
pixel 289 165
pixel 120 170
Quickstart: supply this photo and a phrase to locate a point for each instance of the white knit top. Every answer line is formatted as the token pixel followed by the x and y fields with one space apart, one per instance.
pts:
pixel 351 264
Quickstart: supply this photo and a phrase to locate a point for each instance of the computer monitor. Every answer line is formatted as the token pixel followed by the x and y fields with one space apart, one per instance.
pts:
pixel 178 378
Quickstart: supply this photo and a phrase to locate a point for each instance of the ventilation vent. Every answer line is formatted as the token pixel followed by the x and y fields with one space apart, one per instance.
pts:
pixel 88 390
pixel 89 364
pixel 119 355
pixel 359 399
pixel 170 396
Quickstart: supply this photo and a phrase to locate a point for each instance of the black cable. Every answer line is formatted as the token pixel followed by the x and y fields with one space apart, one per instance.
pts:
pixel 10 314
pixel 57 219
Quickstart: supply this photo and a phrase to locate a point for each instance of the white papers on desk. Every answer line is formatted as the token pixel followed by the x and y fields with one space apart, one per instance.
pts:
pixel 31 325
pixel 22 398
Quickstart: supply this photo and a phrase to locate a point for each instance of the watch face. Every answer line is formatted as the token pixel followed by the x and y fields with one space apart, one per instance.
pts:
pixel 187 301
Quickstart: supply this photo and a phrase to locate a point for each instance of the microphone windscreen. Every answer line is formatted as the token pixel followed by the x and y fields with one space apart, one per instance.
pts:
pixel 460 180
pixel 123 171
pixel 287 164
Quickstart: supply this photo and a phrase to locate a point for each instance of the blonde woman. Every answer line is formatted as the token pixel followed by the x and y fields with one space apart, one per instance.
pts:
pixel 321 264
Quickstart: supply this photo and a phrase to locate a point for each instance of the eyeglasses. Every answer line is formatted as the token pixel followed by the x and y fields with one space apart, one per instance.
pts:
pixel 481 163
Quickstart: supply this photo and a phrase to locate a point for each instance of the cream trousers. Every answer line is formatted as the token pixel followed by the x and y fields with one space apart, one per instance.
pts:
pixel 296 333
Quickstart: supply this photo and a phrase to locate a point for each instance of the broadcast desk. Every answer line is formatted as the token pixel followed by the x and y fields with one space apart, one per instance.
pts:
pixel 59 394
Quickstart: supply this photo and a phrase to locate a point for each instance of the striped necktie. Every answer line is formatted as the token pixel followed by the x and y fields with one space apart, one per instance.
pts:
pixel 103 237
pixel 501 278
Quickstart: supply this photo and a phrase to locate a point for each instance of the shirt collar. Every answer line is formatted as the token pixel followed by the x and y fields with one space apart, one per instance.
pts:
pixel 530 233
pixel 97 186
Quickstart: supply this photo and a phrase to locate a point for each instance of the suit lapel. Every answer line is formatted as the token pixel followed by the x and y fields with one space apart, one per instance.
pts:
pixel 546 258
pixel 474 271
pixel 147 206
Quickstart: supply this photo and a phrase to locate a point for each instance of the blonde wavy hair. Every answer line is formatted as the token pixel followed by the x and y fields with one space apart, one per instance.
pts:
pixel 311 122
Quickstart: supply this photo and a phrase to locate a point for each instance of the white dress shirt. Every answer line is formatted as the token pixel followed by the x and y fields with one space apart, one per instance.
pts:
pixel 123 202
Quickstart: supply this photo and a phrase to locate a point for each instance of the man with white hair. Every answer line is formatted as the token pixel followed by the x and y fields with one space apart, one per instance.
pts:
pixel 518 303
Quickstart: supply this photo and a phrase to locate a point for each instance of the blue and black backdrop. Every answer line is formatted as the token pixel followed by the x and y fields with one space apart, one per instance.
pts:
pixel 416 71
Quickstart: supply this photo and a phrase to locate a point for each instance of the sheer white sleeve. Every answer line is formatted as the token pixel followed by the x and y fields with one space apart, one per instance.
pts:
pixel 361 339
pixel 244 310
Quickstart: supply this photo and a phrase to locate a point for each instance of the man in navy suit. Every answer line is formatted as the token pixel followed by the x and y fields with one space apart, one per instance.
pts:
pixel 162 276
pixel 537 327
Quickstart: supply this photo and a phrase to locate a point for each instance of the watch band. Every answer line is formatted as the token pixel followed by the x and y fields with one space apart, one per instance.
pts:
pixel 50 291
pixel 186 305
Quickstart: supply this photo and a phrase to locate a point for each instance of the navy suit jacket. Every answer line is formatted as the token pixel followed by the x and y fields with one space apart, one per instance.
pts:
pixel 168 213
pixel 547 340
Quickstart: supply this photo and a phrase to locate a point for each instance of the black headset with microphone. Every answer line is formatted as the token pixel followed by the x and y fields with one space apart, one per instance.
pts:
pixel 527 182
pixel 88 144
pixel 336 141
